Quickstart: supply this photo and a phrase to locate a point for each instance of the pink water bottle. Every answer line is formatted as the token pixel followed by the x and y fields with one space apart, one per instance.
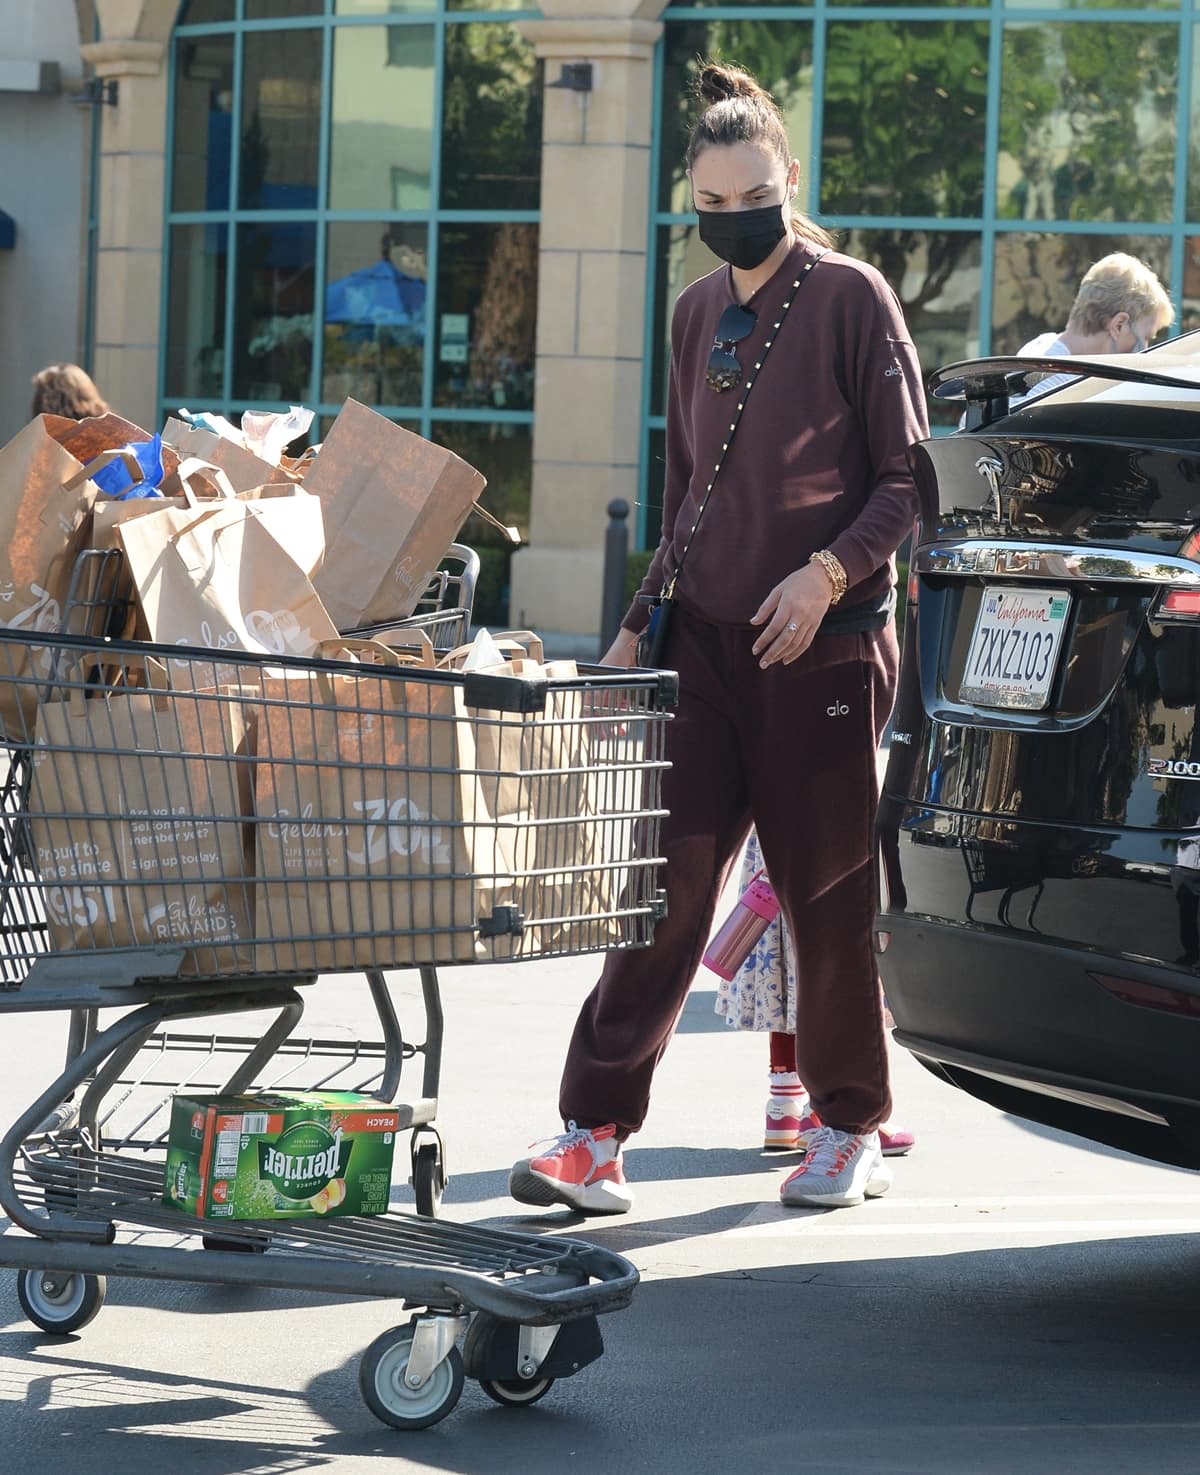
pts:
pixel 757 908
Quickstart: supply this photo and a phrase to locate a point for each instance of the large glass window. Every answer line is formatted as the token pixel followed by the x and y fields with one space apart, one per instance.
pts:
pixel 1088 121
pixel 354 198
pixel 905 113
pixel 982 154
pixel 381 138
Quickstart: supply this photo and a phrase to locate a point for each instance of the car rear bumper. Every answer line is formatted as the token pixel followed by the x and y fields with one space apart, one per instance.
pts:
pixel 1030 1026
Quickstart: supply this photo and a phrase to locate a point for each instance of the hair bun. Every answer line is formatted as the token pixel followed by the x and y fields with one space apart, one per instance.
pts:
pixel 719 81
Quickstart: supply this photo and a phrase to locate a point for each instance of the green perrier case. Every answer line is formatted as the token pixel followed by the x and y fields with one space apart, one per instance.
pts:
pixel 280 1155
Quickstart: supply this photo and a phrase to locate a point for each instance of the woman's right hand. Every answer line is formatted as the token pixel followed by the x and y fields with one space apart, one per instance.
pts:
pixel 621 651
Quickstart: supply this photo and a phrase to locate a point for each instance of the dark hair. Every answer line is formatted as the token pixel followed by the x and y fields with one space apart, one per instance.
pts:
pixel 739 110
pixel 64 389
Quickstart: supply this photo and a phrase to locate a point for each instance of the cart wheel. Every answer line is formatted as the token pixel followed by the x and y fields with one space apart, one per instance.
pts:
pixel 428 1178
pixel 516 1392
pixel 59 1302
pixel 388 1396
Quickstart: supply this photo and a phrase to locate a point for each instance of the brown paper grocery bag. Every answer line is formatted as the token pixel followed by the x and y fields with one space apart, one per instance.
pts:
pixel 87 438
pixel 373 846
pixel 244 469
pixel 565 784
pixel 218 578
pixel 285 510
pixel 44 521
pixel 394 503
pixel 137 818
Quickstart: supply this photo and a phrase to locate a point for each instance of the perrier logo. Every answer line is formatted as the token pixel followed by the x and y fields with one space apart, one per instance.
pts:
pixel 304 1159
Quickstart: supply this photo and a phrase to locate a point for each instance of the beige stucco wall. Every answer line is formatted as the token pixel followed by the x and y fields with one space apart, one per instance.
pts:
pixel 43 186
pixel 591 303
pixel 129 257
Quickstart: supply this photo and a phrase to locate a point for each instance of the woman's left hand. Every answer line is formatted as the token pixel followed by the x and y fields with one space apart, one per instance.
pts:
pixel 793 612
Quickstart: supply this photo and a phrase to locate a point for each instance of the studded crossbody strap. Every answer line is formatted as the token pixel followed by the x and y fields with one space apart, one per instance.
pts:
pixel 743 396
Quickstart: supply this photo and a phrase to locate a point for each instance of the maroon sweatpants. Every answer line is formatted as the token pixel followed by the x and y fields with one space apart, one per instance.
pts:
pixel 791 749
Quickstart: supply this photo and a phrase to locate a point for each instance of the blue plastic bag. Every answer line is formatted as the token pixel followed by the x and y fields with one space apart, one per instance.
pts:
pixel 116 480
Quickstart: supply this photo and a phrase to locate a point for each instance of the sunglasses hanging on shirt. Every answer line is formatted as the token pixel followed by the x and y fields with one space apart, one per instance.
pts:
pixel 724 371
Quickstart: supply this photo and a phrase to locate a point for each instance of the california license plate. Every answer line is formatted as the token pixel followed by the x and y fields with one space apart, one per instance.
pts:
pixel 1014 651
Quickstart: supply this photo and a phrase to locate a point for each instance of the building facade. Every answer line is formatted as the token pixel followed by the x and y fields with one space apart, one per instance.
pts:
pixel 473 216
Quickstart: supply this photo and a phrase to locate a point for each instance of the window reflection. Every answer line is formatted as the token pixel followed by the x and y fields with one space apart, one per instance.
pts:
pixel 491 120
pixel 385 7
pixel 381 146
pixel 282 9
pixel 781 57
pixel 486 315
pixel 374 343
pixel 203 123
pixel 1189 316
pixel 195 338
pixel 281 110
pixel 682 258
pixel 1193 193
pixel 936 275
pixel 905 116
pixel 1037 275
pixel 1087 121
pixel 273 313
pixel 504 454
pixel 656 481
pixel 1091 5
pixel 205 12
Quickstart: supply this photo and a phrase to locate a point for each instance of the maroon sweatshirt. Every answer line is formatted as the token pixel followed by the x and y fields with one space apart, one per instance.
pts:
pixel 818 460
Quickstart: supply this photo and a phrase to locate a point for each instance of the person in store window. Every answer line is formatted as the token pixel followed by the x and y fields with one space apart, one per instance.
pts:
pixel 790 425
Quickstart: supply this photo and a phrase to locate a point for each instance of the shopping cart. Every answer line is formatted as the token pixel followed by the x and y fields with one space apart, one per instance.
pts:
pixel 192 835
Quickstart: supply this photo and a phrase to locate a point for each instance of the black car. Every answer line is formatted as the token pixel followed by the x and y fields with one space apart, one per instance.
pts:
pixel 1039 925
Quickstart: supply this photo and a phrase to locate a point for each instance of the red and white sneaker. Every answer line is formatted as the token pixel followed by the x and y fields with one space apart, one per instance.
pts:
pixel 840 1169
pixel 580 1168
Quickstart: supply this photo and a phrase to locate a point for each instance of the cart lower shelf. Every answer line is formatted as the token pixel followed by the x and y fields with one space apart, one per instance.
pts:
pixel 527 1278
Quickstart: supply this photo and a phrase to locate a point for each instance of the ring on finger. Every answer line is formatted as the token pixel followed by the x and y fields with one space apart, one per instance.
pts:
pixel 792 627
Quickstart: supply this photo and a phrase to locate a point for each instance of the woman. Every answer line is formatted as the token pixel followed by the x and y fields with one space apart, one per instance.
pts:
pixel 64 389
pixel 786 654
pixel 762 996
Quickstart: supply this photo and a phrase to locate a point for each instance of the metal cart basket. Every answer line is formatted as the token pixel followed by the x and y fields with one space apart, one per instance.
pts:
pixel 188 834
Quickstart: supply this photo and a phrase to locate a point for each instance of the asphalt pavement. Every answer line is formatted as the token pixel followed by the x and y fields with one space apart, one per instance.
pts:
pixel 1019 1302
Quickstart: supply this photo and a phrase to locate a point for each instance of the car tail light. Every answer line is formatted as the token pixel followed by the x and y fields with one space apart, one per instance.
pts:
pixel 1149 995
pixel 1182 604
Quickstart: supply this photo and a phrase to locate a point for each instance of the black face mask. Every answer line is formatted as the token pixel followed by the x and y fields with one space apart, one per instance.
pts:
pixel 744 238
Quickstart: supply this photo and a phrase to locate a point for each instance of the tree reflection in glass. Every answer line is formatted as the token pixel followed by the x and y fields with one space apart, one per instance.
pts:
pixel 1087 121
pixel 273 325
pixel 487 315
pixel 491 119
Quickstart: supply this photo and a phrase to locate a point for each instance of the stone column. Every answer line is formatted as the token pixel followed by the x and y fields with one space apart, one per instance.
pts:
pixel 131 202
pixel 596 199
